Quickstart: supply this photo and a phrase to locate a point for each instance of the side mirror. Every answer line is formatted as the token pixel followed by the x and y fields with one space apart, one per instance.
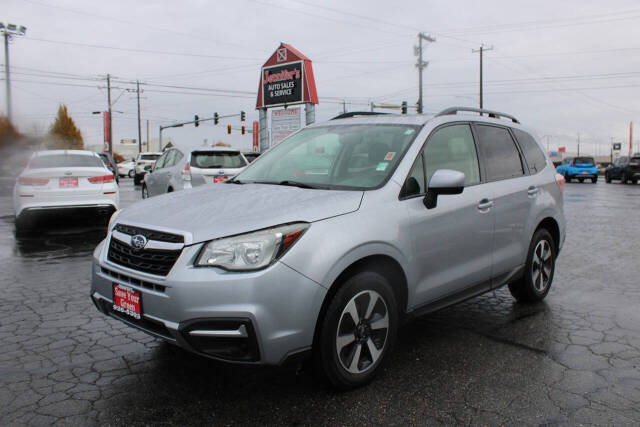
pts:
pixel 443 181
pixel 148 168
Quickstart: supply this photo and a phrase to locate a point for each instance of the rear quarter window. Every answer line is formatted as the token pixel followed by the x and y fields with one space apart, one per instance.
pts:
pixel 534 156
pixel 65 161
pixel 501 157
pixel 215 160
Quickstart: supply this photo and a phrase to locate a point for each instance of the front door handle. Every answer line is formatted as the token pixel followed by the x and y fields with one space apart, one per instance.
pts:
pixel 485 205
pixel 532 191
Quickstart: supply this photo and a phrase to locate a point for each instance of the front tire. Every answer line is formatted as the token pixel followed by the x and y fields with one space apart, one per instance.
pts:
pixel 131 173
pixel 145 192
pixel 607 178
pixel 567 178
pixel 539 268
pixel 357 332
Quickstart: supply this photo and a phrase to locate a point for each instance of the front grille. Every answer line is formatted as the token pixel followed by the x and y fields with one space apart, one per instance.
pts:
pixel 133 281
pixel 159 236
pixel 153 261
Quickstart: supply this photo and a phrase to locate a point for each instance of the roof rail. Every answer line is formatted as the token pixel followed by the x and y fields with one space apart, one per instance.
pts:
pixel 357 113
pixel 493 114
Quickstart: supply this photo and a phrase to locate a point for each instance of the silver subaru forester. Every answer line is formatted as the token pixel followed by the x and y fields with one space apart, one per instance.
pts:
pixel 326 243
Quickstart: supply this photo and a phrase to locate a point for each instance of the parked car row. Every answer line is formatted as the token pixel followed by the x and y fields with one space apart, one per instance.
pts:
pixel 625 168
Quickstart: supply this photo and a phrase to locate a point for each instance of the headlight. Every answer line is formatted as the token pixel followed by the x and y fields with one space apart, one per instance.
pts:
pixel 250 251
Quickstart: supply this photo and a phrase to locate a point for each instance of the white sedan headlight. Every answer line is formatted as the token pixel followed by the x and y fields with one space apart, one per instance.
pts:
pixel 112 221
pixel 250 251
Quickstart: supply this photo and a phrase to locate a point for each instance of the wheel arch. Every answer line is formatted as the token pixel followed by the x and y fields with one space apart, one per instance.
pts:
pixel 386 265
pixel 551 225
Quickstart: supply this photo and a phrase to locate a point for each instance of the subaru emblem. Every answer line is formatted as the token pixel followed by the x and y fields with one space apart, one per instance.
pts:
pixel 220 172
pixel 138 241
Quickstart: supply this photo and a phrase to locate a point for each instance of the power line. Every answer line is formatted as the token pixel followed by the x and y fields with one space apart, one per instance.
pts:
pixel 155 52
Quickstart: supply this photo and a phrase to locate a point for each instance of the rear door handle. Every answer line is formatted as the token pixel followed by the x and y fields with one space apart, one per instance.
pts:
pixel 532 191
pixel 485 205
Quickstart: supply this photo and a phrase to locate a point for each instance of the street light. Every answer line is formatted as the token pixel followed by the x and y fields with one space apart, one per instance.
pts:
pixel 10 31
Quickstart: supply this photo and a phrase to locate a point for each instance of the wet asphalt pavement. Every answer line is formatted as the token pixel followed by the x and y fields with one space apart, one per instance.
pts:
pixel 572 359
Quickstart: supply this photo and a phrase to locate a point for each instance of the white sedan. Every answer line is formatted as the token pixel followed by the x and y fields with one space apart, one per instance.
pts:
pixel 57 180
pixel 126 168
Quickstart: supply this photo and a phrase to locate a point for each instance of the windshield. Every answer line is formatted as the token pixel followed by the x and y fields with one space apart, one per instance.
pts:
pixel 342 156
pixel 584 160
pixel 65 161
pixel 217 159
pixel 149 156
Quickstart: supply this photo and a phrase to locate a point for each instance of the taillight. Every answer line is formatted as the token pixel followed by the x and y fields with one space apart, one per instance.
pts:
pixel 186 172
pixel 109 164
pixel 101 179
pixel 32 181
pixel 573 162
pixel 560 181
pixel 219 178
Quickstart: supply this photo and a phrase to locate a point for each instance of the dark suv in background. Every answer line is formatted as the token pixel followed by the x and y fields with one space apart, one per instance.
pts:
pixel 625 169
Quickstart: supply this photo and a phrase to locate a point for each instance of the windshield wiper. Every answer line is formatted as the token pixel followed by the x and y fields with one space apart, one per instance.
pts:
pixel 291 184
pixel 234 181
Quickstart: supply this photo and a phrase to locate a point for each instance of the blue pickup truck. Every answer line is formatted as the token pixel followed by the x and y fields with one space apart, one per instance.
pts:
pixel 579 168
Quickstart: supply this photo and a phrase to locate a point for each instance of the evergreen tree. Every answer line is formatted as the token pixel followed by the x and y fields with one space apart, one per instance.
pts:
pixel 64 132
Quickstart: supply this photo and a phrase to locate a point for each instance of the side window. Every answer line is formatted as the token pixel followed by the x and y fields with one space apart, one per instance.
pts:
pixel 534 156
pixel 160 162
pixel 452 147
pixel 414 185
pixel 499 152
pixel 170 160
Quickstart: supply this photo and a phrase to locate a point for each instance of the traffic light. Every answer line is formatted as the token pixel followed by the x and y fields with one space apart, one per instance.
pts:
pixel 404 107
pixel 195 120
pixel 228 129
pixel 243 116
pixel 216 118
pixel 243 129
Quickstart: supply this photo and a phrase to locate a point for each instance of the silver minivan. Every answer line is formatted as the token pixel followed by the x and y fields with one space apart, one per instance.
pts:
pixel 179 168
pixel 322 247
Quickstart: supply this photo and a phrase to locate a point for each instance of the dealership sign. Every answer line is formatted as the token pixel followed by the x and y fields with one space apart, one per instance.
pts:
pixel 286 79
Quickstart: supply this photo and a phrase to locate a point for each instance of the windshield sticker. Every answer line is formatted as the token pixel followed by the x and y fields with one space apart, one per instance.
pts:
pixel 409 132
pixel 390 155
pixel 382 166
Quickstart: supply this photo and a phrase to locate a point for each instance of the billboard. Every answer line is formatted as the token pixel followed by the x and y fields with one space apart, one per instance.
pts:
pixel 282 84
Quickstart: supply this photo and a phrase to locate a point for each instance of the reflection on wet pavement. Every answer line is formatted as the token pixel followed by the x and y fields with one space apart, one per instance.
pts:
pixel 572 359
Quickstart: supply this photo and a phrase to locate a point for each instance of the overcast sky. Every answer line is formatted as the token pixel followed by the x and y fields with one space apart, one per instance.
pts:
pixel 562 68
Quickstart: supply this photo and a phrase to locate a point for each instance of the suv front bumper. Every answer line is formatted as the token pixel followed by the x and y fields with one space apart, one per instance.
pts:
pixel 262 317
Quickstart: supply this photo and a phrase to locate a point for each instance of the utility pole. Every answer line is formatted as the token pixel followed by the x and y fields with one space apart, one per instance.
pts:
pixel 578 144
pixel 421 65
pixel 139 124
pixel 8 32
pixel 110 115
pixel 344 106
pixel 481 50
pixel 148 148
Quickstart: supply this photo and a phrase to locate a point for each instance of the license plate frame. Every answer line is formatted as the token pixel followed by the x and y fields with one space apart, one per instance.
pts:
pixel 127 301
pixel 68 182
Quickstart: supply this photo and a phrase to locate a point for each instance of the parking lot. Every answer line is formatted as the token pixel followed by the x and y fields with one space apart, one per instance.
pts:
pixel 572 359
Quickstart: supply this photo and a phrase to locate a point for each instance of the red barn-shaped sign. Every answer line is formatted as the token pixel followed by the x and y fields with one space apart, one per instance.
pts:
pixel 286 79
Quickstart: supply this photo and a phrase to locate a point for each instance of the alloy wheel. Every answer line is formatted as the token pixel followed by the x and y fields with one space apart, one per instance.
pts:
pixel 362 332
pixel 541 266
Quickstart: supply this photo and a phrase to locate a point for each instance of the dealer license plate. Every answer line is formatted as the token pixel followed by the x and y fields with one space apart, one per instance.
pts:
pixel 127 301
pixel 68 182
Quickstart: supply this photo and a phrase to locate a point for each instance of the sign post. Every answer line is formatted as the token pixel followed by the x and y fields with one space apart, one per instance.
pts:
pixel 286 79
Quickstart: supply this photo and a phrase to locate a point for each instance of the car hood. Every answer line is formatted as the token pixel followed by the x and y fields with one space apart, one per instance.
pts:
pixel 218 210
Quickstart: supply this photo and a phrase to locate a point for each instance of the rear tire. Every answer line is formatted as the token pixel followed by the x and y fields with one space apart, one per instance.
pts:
pixel 350 352
pixel 539 268
pixel 594 180
pixel 607 178
pixel 145 192
pixel 634 181
pixel 567 178
pixel 137 179
pixel 580 180
pixel 131 173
